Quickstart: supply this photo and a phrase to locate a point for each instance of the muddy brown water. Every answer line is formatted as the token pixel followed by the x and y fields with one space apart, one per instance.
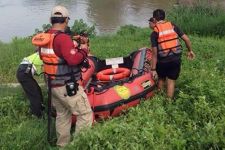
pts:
pixel 21 17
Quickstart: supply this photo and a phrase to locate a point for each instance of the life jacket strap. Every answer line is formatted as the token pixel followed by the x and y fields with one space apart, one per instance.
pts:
pixel 171 48
pixel 168 40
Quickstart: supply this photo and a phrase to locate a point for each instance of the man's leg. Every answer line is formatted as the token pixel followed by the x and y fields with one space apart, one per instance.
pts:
pixel 83 111
pixel 170 88
pixel 161 83
pixel 173 74
pixel 63 117
pixel 83 121
pixel 32 90
pixel 161 71
pixel 36 98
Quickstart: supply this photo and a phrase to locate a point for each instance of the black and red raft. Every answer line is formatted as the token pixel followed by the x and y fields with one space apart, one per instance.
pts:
pixel 113 85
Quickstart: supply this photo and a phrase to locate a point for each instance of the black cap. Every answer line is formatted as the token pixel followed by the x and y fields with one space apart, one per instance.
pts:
pixel 151 19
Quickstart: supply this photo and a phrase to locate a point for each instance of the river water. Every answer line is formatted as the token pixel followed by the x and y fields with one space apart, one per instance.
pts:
pixel 21 17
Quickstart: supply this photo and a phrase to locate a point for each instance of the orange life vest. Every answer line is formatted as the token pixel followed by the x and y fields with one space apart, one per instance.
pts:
pixel 55 67
pixel 168 40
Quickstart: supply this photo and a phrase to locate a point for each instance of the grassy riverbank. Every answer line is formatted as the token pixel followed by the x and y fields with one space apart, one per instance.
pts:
pixel 194 121
pixel 202 18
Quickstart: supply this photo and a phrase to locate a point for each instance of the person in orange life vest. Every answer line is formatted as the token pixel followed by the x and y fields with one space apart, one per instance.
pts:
pixel 166 49
pixel 61 63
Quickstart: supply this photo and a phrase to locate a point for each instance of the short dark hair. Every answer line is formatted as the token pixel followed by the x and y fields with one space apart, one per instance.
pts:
pixel 58 20
pixel 159 14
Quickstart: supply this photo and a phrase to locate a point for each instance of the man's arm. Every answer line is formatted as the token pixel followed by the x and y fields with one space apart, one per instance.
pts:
pixel 65 48
pixel 184 37
pixel 154 54
pixel 187 41
pixel 154 58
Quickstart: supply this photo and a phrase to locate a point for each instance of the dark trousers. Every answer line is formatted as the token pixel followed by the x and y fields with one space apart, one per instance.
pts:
pixel 32 90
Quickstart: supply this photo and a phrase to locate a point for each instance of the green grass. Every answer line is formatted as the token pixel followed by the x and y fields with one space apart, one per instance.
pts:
pixel 11 55
pixel 18 129
pixel 129 38
pixel 196 120
pixel 203 19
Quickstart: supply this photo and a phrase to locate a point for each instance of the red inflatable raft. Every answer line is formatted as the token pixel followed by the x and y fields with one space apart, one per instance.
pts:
pixel 115 84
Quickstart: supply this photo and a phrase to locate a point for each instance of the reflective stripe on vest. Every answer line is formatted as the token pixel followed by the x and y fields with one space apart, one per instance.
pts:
pixel 55 67
pixel 47 51
pixel 166 32
pixel 168 40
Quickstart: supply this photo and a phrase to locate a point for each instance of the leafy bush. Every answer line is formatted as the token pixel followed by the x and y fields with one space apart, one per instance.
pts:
pixel 80 27
pixel 45 27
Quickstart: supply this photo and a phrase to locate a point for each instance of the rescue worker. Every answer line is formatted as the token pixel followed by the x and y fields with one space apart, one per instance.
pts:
pixel 30 66
pixel 166 48
pixel 62 66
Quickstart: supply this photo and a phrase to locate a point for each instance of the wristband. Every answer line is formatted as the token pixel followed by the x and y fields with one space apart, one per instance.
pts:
pixel 153 69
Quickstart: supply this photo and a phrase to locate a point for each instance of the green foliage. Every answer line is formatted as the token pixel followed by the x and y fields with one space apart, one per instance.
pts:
pixel 120 44
pixel 128 29
pixel 11 55
pixel 80 27
pixel 18 129
pixel 45 27
pixel 201 19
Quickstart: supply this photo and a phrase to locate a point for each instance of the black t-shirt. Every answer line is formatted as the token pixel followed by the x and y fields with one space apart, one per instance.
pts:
pixel 154 35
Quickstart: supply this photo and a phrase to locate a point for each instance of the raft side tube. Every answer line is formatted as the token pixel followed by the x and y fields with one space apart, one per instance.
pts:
pixel 110 102
pixel 114 109
pixel 139 60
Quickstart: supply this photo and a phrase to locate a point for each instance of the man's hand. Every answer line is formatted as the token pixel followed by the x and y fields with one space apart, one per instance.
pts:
pixel 84 40
pixel 83 46
pixel 190 55
pixel 76 37
pixel 155 75
pixel 81 39
pixel 75 43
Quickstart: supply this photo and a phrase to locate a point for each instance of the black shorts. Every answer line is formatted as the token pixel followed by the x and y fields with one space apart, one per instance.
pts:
pixel 169 70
